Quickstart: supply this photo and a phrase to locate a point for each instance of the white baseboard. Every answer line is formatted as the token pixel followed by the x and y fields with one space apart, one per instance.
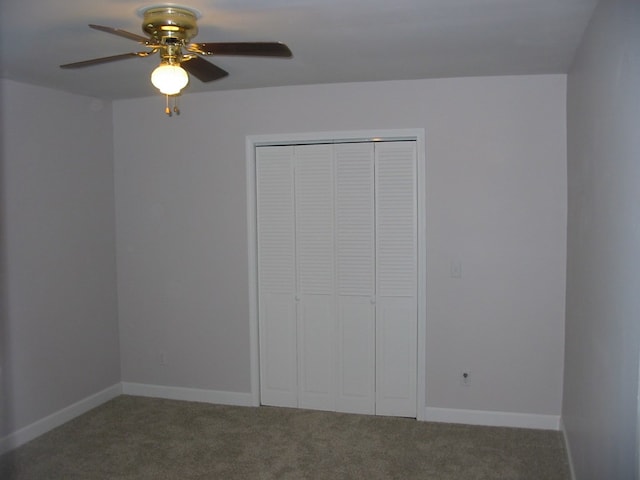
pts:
pixel 28 433
pixel 567 447
pixel 188 394
pixel 492 419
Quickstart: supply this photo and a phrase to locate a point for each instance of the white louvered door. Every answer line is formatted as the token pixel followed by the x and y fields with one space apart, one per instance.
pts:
pixel 337 260
pixel 396 279
pixel 316 289
pixel 355 254
pixel 276 276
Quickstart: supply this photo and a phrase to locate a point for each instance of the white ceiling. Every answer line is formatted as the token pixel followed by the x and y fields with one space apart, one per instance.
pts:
pixel 331 40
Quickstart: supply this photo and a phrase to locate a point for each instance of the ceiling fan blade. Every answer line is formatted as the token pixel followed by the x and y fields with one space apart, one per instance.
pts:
pixel 122 33
pixel 202 69
pixel 97 61
pixel 256 49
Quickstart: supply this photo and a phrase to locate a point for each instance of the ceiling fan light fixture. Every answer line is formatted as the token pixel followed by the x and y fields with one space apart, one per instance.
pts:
pixel 169 79
pixel 169 29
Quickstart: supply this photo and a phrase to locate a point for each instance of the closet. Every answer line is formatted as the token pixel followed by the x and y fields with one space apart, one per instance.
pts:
pixel 337 276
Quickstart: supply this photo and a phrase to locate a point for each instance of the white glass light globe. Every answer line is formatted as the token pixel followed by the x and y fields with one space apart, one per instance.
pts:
pixel 169 79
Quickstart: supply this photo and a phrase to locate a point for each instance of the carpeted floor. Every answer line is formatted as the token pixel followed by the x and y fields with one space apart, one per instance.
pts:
pixel 144 438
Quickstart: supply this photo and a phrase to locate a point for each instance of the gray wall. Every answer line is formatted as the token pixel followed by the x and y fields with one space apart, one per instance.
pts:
pixel 603 271
pixel 496 202
pixel 496 181
pixel 59 325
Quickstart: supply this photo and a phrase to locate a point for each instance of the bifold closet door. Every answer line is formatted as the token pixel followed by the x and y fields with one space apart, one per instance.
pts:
pixel 396 278
pixel 314 227
pixel 296 290
pixel 355 260
pixel 277 276
pixel 337 273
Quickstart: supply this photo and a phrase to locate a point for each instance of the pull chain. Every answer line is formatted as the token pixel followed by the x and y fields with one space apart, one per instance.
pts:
pixel 176 110
pixel 167 109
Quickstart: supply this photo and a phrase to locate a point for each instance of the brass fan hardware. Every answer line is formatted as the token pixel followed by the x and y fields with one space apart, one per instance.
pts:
pixel 169 31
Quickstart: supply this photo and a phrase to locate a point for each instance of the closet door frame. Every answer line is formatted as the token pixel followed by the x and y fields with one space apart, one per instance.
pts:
pixel 253 141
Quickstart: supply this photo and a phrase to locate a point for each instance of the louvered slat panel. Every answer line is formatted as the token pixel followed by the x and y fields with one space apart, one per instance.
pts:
pixel 276 273
pixel 314 218
pixel 354 219
pixel 275 212
pixel 396 234
pixel 396 270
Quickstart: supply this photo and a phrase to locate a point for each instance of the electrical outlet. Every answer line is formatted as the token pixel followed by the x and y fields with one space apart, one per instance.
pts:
pixel 465 377
pixel 163 359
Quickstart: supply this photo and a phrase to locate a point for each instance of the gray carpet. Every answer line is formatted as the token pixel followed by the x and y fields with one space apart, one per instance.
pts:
pixel 144 438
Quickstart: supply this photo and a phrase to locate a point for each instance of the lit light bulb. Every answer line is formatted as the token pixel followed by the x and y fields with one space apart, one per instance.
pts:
pixel 169 79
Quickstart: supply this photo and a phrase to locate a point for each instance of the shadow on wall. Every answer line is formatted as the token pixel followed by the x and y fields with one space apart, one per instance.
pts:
pixel 5 384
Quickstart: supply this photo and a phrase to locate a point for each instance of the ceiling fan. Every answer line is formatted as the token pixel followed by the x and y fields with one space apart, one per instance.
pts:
pixel 170 29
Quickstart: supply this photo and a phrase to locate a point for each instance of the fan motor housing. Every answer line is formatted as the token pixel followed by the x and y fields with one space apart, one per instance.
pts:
pixel 170 22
